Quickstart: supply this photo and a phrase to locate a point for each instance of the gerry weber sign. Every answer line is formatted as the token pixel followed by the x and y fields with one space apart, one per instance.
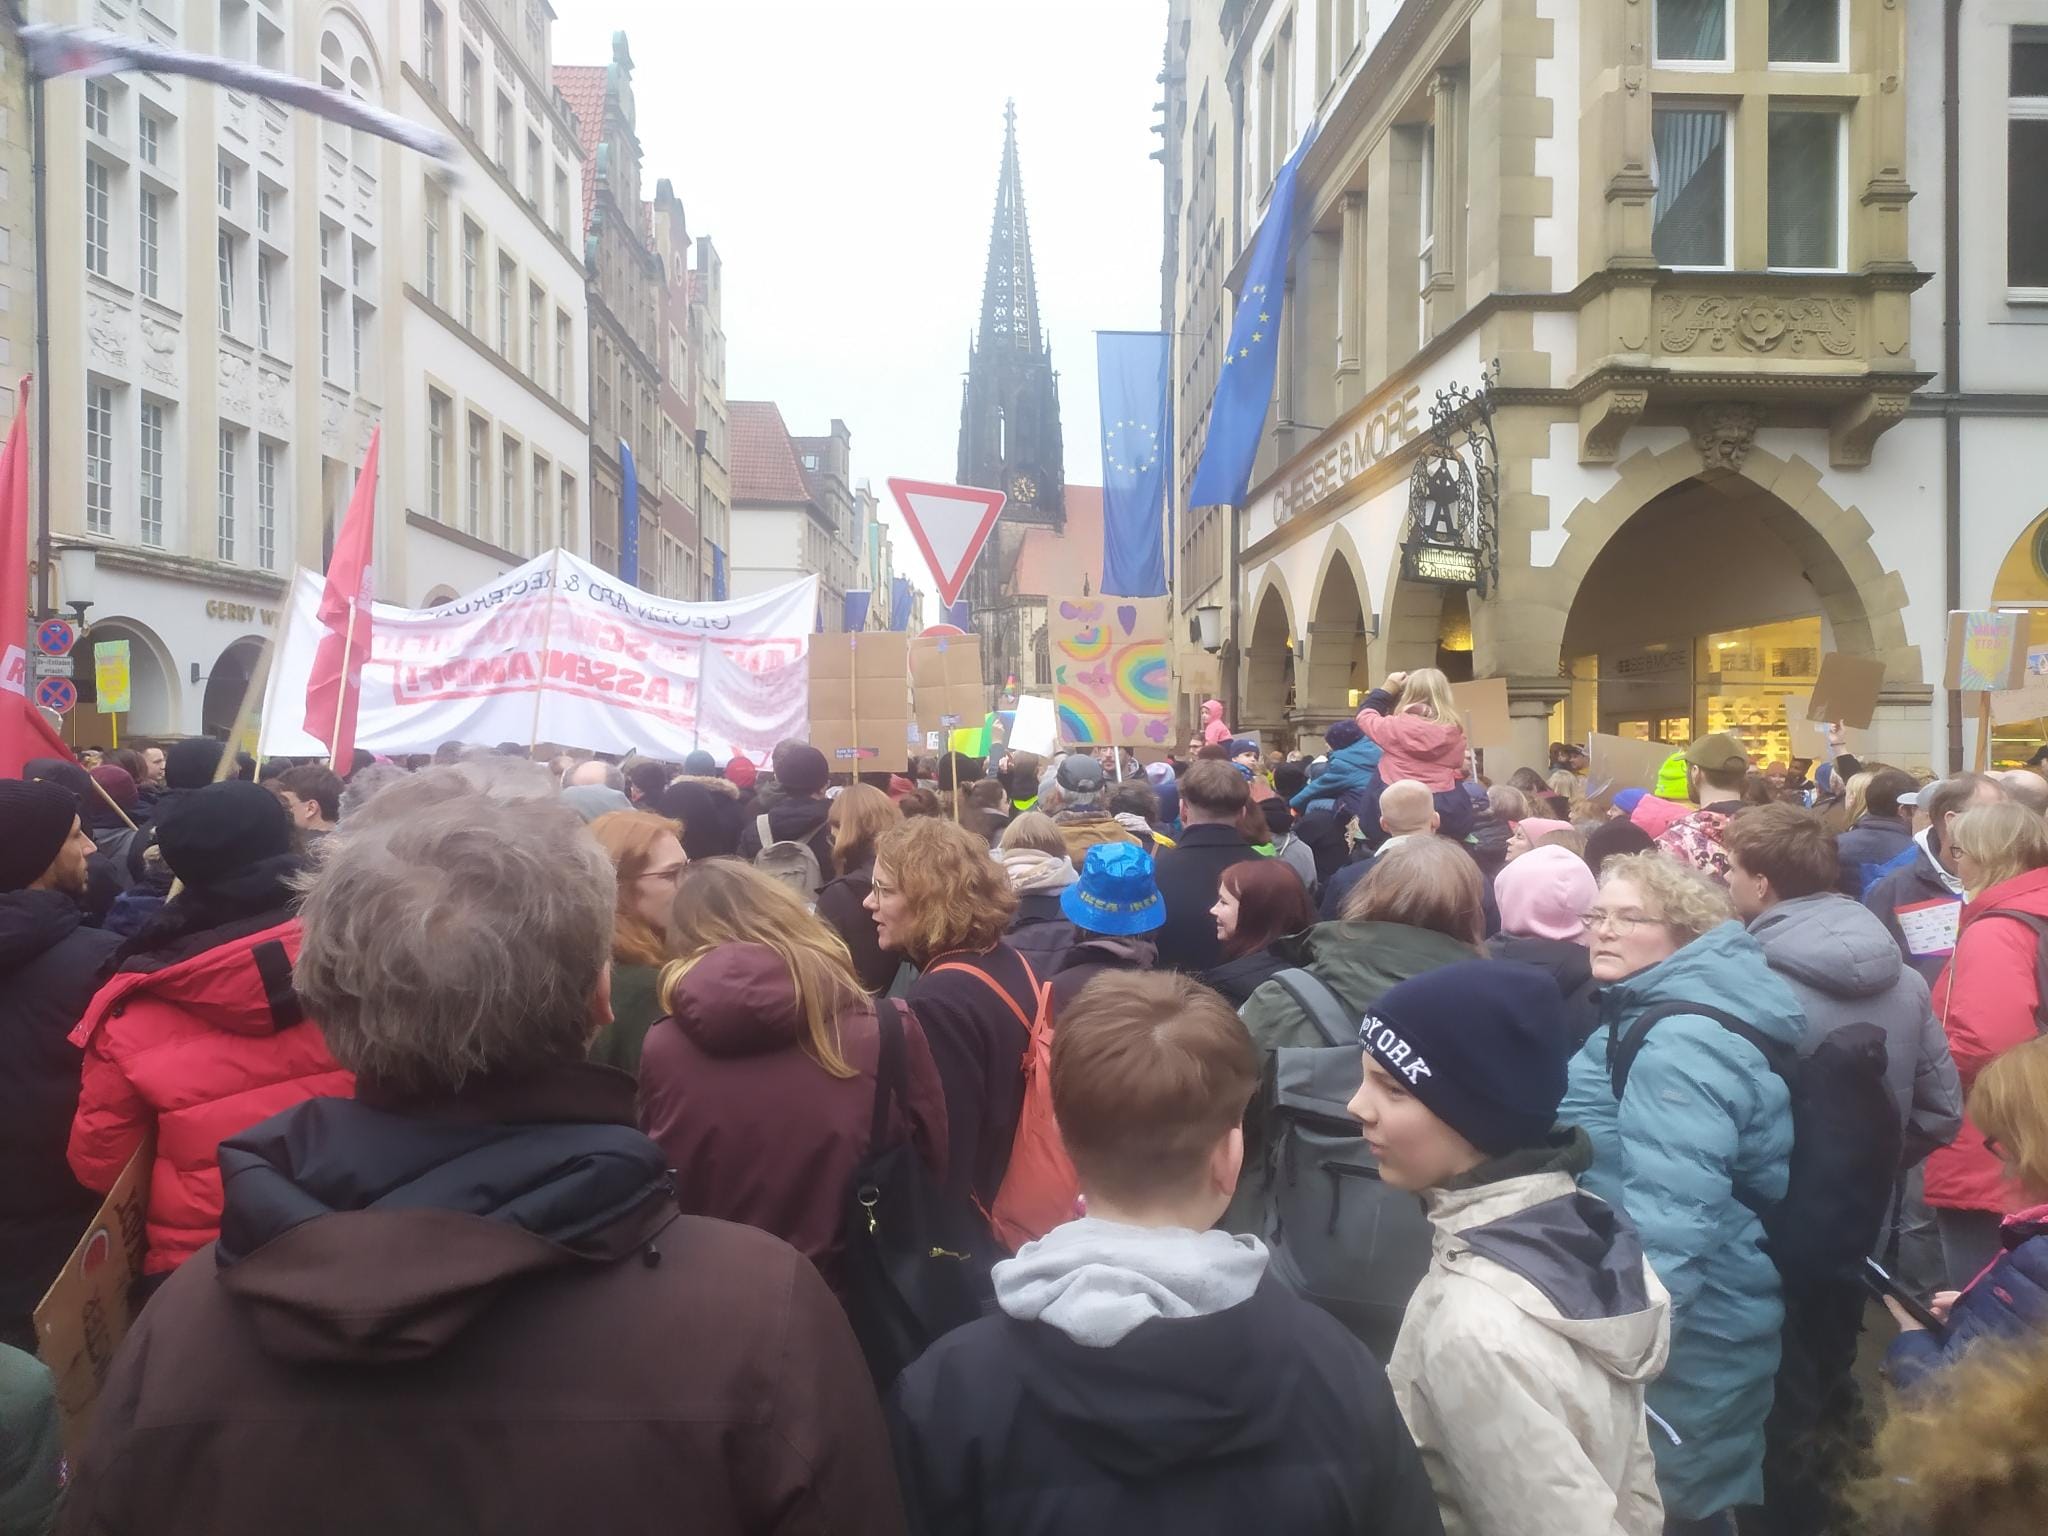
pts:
pixel 1376 437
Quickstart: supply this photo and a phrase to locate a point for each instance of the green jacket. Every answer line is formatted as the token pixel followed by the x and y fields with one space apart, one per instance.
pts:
pixel 1357 961
pixel 636 1004
pixel 28 1445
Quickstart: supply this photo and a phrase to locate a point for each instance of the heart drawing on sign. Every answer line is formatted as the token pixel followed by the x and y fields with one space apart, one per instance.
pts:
pixel 1130 723
pixel 1070 610
pixel 1127 615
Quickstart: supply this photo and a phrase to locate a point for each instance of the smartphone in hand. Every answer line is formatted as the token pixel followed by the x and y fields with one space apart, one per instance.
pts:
pixel 1881 1284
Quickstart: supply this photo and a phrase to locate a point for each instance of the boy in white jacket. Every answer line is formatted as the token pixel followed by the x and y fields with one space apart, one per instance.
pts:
pixel 1522 1359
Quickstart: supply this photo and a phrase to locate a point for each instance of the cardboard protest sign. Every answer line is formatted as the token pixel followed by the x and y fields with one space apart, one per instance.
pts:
pixel 945 683
pixel 86 1313
pixel 1200 672
pixel 1484 704
pixel 1987 651
pixel 1846 690
pixel 2029 701
pixel 1807 735
pixel 1617 762
pixel 860 701
pixel 1112 677
pixel 559 650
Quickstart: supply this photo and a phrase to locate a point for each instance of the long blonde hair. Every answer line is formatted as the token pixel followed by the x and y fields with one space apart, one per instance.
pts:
pixel 629 837
pixel 2005 841
pixel 722 901
pixel 860 814
pixel 1428 693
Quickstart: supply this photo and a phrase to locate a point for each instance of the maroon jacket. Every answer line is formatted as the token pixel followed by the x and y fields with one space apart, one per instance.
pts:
pixel 481 1312
pixel 758 1132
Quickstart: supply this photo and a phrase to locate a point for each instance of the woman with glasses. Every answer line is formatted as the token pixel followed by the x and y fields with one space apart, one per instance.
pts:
pixel 760 1082
pixel 1988 998
pixel 860 813
pixel 647 853
pixel 1699 1133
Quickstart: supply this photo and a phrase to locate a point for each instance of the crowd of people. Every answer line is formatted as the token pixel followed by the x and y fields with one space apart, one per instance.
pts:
pixel 1338 1141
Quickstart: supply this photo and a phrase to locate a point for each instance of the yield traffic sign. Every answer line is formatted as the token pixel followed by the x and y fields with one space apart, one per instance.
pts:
pixel 950 524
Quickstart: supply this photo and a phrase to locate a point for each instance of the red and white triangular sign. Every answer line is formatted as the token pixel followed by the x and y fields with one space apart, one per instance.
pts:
pixel 950 524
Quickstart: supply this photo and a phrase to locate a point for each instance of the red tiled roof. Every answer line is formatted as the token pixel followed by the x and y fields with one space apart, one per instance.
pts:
pixel 764 466
pixel 583 86
pixel 1052 564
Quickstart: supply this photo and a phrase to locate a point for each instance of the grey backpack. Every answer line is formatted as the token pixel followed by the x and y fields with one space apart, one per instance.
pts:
pixel 795 864
pixel 1338 1236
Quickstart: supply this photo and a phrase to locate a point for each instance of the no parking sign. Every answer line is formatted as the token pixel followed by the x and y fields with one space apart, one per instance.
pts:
pixel 57 693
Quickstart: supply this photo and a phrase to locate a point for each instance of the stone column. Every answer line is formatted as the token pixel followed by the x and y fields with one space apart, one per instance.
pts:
pixel 1530 701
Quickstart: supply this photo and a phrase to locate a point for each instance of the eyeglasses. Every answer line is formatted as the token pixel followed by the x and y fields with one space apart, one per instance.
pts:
pixel 1623 923
pixel 667 876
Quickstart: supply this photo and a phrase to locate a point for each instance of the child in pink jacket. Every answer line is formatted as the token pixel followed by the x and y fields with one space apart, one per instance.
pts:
pixel 1415 722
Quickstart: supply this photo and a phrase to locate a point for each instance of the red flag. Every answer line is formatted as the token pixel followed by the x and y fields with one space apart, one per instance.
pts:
pixel 336 688
pixel 24 733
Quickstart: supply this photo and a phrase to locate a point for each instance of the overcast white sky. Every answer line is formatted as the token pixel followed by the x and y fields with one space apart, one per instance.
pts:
pixel 843 156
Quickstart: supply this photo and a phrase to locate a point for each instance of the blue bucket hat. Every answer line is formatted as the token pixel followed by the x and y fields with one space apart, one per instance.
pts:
pixel 1116 893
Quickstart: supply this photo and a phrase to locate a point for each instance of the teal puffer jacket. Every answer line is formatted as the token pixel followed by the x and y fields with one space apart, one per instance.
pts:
pixel 1703 1116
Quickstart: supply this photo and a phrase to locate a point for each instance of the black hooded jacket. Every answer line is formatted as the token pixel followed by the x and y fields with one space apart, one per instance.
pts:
pixel 1570 965
pixel 1266 1416
pixel 49 965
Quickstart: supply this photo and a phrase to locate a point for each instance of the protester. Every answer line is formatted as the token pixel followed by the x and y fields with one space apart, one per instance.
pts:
pixel 1415 720
pixel 1927 872
pixel 1543 898
pixel 860 813
pixel 1701 1135
pixel 1136 809
pixel 199 1034
pixel 1346 778
pixel 648 860
pixel 594 772
pixel 1165 781
pixel 1716 768
pixel 1213 797
pixel 312 797
pixel 1082 813
pixel 2026 786
pixel 1407 810
pixel 647 778
pixel 1879 835
pixel 31 1450
pixel 591 801
pixel 1244 755
pixel 1148 1373
pixel 1531 830
pixel 800 814
pixel 758 1083
pixel 1418 910
pixel 2007 1302
pixel 1258 904
pixel 1523 1355
pixel 1020 781
pixel 103 883
pixel 708 806
pixel 1844 971
pixel 1288 848
pixel 450 1292
pixel 943 904
pixel 1115 909
pixel 49 967
pixel 112 819
pixel 1214 732
pixel 1618 837
pixel 1988 1000
pixel 1034 857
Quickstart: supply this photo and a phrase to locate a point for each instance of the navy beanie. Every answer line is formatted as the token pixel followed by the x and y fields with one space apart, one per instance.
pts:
pixel 1483 1044
pixel 1343 734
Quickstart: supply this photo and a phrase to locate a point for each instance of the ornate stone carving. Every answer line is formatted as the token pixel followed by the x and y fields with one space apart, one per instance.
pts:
pixel 332 412
pixel 270 398
pixel 1857 427
pixel 159 350
pixel 106 326
pixel 1604 419
pixel 1765 323
pixel 1723 433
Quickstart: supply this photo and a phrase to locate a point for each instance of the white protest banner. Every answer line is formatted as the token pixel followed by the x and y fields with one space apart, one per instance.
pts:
pixel 560 651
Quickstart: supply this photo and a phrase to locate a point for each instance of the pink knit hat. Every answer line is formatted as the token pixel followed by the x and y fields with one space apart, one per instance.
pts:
pixel 1533 827
pixel 1656 816
pixel 1544 894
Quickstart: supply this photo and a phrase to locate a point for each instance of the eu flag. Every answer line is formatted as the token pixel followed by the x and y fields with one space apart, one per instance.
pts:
pixel 1244 389
pixel 717 574
pixel 857 610
pixel 629 519
pixel 899 603
pixel 1131 384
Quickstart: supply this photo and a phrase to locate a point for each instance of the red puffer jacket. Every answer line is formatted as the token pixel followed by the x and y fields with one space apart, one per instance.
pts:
pixel 198 1050
pixel 1985 999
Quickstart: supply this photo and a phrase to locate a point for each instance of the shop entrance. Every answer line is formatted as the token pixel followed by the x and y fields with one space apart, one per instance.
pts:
pixel 1697 616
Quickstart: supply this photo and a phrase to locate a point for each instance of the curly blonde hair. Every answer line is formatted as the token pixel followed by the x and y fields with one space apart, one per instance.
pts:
pixel 957 893
pixel 1675 894
pixel 2005 841
pixel 2009 1104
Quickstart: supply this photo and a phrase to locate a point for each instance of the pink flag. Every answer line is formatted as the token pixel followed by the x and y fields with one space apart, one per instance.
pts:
pixel 335 691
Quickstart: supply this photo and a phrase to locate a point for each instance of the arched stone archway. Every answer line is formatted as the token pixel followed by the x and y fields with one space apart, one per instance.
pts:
pixel 1339 635
pixel 152 686
pixel 439 595
pixel 1269 693
pixel 226 682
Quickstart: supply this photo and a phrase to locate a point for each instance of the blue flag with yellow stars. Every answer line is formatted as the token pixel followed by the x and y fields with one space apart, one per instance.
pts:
pixel 1244 387
pixel 1131 373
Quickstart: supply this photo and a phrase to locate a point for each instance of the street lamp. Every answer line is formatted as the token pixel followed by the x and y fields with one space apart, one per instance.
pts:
pixel 78 569
pixel 1209 627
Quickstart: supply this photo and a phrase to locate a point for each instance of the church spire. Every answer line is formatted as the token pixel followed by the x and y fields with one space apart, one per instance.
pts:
pixel 1009 294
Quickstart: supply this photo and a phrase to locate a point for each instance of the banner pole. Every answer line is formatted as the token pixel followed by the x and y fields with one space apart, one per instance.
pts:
pixel 125 817
pixel 348 642
pixel 697 720
pixel 252 695
pixel 547 630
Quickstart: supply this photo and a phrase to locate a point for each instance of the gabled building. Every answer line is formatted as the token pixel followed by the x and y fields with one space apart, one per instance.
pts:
pixel 780 529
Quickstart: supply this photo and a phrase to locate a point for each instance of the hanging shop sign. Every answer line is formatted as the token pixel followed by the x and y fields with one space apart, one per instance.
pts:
pixel 1453 537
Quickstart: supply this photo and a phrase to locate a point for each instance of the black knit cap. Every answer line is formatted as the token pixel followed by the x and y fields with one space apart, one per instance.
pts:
pixel 221 830
pixel 1483 1044
pixel 36 818
pixel 189 764
pixel 802 770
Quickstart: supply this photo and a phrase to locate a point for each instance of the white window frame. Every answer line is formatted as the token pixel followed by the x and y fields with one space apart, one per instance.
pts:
pixel 433 43
pixel 149 473
pixel 439 407
pixel 358 326
pixel 99 217
pixel 264 267
pixel 148 241
pixel 267 454
pixel 430 253
pixel 1721 65
pixel 99 458
pixel 541 475
pixel 148 136
pixel 508 284
pixel 1842 39
pixel 565 333
pixel 469 86
pixel 224 278
pixel 1841 117
pixel 224 531
pixel 536 342
pixel 2018 109
pixel 328 294
pixel 224 184
pixel 509 492
pixel 99 109
pixel 1425 245
pixel 1727 113
pixel 472 258
pixel 476 448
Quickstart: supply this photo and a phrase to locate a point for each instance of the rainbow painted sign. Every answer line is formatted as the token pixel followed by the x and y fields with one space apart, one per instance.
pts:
pixel 1112 676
